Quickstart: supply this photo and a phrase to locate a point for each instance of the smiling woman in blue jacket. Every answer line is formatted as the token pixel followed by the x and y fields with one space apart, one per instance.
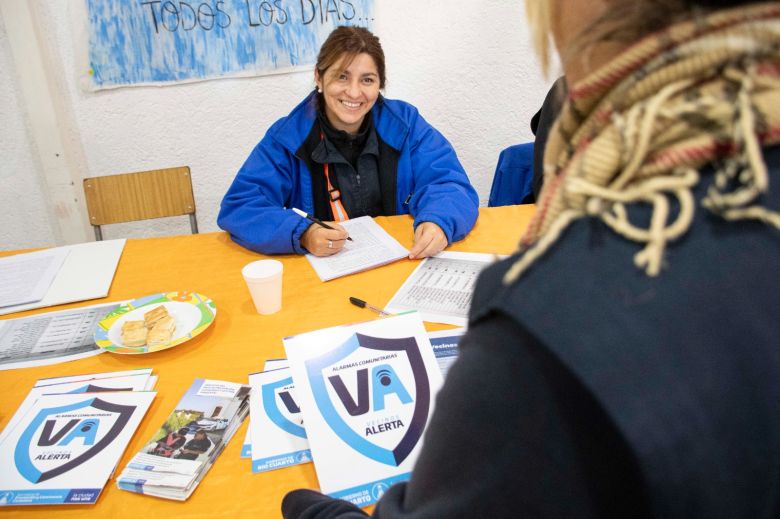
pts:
pixel 345 151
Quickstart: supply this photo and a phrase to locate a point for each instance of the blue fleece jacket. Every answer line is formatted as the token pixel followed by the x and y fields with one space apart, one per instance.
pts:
pixel 256 210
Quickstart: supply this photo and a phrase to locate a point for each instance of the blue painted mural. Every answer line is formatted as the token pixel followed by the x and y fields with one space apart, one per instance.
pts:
pixel 157 41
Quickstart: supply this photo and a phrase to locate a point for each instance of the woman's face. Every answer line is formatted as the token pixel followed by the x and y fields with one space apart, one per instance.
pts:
pixel 349 92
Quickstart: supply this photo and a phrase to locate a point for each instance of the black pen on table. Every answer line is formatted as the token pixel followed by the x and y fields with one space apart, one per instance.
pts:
pixel 362 304
pixel 315 220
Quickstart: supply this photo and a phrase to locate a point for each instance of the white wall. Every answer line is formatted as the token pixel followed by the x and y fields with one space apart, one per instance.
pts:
pixel 466 65
pixel 24 217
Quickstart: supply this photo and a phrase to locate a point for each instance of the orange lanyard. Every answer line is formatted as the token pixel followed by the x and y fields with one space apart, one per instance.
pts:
pixel 336 207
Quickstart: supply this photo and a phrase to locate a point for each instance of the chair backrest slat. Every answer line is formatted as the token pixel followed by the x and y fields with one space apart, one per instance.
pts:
pixel 139 196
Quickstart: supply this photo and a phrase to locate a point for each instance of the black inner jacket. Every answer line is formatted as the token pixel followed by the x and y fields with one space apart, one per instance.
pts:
pixel 387 167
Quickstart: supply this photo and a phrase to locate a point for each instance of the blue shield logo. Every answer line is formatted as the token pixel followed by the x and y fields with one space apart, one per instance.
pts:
pixel 58 440
pixel 282 418
pixel 366 403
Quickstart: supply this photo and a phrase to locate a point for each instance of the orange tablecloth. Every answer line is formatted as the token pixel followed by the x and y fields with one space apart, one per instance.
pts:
pixel 236 345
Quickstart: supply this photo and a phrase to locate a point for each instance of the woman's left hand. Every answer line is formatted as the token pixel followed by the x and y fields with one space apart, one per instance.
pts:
pixel 429 240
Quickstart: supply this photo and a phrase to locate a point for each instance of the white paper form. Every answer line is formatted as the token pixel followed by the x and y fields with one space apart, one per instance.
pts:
pixel 440 288
pixel 371 246
pixel 25 278
pixel 51 337
pixel 86 273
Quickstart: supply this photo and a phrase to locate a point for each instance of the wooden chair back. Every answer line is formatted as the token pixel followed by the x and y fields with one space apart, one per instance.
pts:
pixel 143 195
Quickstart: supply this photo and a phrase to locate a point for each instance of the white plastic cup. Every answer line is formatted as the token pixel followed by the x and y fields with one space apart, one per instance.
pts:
pixel 264 280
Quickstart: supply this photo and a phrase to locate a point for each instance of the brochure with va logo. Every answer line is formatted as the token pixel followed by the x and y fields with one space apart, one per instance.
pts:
pixel 366 392
pixel 278 437
pixel 136 382
pixel 66 446
pixel 246 447
pixel 445 349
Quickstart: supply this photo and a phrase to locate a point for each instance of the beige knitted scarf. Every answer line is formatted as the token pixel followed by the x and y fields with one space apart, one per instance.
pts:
pixel 638 130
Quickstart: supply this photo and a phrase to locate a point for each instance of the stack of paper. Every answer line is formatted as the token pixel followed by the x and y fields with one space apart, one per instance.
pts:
pixel 366 393
pixel 177 457
pixel 25 278
pixel 371 247
pixel 51 337
pixel 65 440
pixel 440 288
pixel 59 275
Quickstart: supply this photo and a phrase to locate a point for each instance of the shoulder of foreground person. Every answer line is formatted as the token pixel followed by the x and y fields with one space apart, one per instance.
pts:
pixel 511 435
pixel 685 363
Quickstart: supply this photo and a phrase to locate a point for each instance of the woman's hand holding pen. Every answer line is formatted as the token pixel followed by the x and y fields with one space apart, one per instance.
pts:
pixel 324 242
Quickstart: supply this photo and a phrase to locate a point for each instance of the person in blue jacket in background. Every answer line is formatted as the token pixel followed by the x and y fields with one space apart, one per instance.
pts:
pixel 345 151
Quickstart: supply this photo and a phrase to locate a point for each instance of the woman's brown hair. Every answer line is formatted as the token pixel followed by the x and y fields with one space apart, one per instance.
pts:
pixel 349 42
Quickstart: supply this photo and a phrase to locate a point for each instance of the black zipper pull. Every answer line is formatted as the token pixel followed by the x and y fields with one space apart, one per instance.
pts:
pixel 408 199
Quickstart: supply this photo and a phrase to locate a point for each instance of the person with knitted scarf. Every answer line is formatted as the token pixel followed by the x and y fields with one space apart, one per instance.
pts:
pixel 624 362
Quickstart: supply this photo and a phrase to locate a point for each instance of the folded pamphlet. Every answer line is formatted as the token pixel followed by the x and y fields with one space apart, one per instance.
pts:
pixel 177 457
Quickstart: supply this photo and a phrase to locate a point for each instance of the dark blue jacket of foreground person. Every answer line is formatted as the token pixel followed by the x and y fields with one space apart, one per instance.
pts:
pixel 588 389
pixel 419 175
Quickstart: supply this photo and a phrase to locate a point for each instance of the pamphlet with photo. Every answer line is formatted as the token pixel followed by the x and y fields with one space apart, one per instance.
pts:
pixel 181 451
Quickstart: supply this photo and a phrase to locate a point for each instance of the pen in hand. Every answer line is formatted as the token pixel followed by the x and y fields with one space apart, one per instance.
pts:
pixel 362 304
pixel 315 220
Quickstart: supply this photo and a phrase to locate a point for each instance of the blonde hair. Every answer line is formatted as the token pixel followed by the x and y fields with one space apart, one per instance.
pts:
pixel 625 21
pixel 638 129
pixel 539 17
